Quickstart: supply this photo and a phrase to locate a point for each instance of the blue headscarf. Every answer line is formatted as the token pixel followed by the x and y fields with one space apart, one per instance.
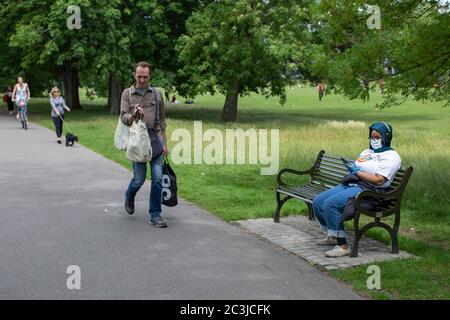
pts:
pixel 385 130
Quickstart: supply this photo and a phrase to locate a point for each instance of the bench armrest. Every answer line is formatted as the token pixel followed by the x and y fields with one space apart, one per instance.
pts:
pixel 300 173
pixel 393 195
pixel 310 171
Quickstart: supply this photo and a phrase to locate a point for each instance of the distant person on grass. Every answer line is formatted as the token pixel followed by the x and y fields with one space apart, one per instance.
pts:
pixel 382 83
pixel 58 105
pixel 21 95
pixel 320 89
pixel 140 102
pixel 374 168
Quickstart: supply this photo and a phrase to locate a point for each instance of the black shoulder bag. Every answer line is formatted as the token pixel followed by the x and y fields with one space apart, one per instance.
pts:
pixel 169 184
pixel 157 148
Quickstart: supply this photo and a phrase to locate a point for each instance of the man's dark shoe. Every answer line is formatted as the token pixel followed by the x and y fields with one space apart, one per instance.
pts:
pixel 158 222
pixel 129 205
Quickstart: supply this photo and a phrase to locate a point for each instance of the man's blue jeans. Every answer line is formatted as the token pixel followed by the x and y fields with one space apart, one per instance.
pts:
pixel 139 175
pixel 329 205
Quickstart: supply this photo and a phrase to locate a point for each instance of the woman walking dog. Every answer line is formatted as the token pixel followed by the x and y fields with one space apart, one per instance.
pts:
pixel 58 105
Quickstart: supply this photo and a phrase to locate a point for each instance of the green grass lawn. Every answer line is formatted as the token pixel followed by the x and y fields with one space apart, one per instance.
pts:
pixel 306 126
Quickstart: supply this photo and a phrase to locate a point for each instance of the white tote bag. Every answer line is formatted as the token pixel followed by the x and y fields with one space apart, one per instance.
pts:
pixel 139 148
pixel 121 136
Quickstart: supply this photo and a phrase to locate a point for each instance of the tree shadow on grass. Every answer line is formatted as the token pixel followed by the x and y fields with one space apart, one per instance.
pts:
pixel 262 118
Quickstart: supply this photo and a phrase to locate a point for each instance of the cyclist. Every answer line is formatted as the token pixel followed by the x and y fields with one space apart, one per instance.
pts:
pixel 21 95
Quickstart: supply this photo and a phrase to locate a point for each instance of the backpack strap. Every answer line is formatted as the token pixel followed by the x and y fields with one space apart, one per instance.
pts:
pixel 155 94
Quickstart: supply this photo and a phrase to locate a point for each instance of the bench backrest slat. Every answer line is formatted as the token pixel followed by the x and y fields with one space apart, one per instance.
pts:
pixel 334 167
pixel 327 181
pixel 342 171
pixel 331 173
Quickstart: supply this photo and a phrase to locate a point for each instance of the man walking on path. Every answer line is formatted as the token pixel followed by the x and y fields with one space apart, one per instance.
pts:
pixel 140 102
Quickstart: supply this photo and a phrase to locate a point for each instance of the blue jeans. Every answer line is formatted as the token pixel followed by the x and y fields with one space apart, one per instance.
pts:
pixel 58 125
pixel 329 205
pixel 139 175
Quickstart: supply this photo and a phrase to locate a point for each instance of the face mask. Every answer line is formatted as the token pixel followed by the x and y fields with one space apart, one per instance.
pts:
pixel 376 143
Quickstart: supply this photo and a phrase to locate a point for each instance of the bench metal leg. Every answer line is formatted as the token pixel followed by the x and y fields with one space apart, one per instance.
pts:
pixel 376 223
pixel 311 215
pixel 280 203
pixel 394 240
pixel 358 235
pixel 394 234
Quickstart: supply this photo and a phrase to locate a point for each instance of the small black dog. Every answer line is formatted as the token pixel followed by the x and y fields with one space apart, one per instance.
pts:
pixel 70 139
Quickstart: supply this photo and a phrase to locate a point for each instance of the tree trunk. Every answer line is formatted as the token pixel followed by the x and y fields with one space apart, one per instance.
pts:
pixel 71 85
pixel 115 89
pixel 229 112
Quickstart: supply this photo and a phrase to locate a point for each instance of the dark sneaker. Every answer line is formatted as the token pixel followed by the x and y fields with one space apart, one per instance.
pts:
pixel 129 205
pixel 158 222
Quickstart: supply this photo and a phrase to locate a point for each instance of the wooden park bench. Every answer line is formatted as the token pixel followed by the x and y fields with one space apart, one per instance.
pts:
pixel 328 172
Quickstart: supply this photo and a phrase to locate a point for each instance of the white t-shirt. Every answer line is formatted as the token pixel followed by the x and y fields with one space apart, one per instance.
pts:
pixel 385 163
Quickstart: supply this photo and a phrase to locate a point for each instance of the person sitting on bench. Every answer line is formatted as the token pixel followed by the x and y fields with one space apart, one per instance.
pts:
pixel 375 167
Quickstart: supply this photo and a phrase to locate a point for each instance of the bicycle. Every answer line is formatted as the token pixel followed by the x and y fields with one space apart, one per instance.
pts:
pixel 23 115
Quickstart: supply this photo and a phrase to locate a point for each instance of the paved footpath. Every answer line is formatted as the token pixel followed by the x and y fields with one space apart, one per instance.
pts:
pixel 63 206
